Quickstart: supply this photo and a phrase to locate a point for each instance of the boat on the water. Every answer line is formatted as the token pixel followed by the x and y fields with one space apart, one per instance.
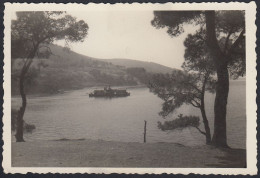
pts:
pixel 108 92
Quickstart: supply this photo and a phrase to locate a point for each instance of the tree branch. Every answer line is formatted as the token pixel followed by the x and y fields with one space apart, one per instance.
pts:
pixel 238 40
pixel 29 59
pixel 227 39
pixel 192 86
pixel 195 96
pixel 200 130
pixel 196 106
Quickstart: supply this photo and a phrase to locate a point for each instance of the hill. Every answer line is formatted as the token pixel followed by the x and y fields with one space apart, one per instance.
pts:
pixel 66 70
pixel 148 66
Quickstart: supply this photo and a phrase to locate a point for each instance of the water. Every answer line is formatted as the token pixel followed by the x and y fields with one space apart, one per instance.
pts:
pixel 74 115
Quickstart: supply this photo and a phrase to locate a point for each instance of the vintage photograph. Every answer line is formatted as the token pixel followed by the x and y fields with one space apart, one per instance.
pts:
pixel 145 88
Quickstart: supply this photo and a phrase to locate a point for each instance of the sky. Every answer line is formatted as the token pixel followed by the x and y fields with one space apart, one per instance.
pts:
pixel 129 35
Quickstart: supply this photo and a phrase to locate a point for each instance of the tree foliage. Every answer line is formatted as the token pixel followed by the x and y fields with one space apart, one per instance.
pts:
pixel 230 27
pixel 35 29
pixel 177 89
pixel 181 122
pixel 174 20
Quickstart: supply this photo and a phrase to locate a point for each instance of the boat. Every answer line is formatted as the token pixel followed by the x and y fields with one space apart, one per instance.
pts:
pixel 109 92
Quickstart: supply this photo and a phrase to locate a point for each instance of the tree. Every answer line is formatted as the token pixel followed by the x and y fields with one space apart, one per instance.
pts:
pixel 199 62
pixel 224 31
pixel 184 88
pixel 188 87
pixel 31 33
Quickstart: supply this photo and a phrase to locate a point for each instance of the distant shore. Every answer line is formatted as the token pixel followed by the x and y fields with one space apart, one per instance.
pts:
pixel 90 153
pixel 82 88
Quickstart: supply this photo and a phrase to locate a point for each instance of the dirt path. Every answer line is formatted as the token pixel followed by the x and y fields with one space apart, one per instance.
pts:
pixel 89 153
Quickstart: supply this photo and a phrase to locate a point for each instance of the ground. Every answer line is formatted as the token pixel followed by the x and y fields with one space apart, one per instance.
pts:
pixel 90 153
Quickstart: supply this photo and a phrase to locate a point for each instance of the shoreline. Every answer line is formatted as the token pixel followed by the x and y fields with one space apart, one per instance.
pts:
pixel 63 91
pixel 70 90
pixel 99 153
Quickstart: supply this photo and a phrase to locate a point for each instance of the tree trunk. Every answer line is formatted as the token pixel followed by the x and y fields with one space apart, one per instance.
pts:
pixel 220 136
pixel 19 119
pixel 220 107
pixel 206 126
pixel 203 113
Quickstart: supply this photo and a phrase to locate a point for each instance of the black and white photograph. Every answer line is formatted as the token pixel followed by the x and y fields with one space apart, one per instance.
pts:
pixel 130 88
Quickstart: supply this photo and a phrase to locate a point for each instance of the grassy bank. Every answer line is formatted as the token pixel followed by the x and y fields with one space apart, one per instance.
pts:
pixel 90 153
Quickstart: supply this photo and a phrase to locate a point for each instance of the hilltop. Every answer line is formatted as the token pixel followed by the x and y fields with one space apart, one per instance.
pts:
pixel 148 66
pixel 67 70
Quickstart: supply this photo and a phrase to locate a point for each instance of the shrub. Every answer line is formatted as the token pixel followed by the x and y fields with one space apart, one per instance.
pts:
pixel 180 123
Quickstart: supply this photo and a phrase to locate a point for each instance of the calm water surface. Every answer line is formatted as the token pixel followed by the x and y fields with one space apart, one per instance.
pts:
pixel 74 115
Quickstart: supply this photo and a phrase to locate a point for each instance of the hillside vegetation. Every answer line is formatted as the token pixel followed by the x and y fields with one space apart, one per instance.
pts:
pixel 148 66
pixel 67 70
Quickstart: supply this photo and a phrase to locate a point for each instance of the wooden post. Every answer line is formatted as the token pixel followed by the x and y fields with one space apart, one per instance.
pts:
pixel 145 131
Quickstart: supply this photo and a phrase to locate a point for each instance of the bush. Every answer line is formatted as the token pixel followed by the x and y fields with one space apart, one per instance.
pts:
pixel 180 123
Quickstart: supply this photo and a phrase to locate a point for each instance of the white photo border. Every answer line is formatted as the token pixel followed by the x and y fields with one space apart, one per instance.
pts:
pixel 251 106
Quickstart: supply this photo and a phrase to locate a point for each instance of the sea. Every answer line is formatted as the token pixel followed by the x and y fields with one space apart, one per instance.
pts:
pixel 75 115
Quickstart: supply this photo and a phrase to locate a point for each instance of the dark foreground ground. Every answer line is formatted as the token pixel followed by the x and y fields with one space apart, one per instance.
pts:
pixel 89 153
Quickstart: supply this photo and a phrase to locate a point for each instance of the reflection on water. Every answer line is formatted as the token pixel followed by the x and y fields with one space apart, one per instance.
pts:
pixel 74 115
